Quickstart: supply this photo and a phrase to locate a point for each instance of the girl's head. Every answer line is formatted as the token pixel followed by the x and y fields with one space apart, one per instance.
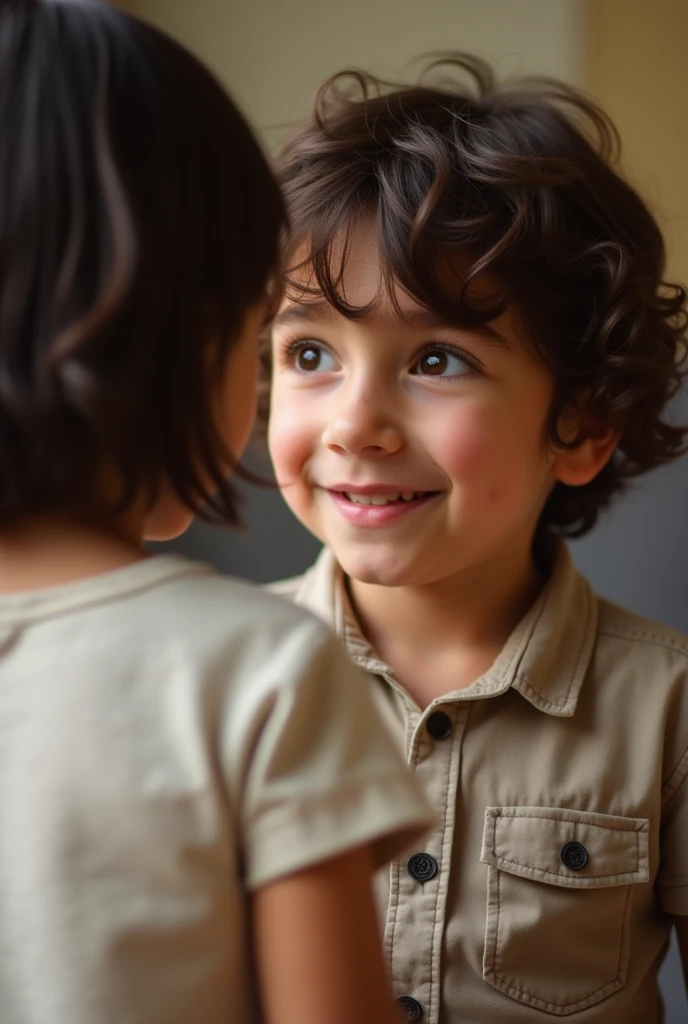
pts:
pixel 139 238
pixel 488 199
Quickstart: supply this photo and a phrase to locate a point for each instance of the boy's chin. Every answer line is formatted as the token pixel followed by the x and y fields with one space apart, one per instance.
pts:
pixel 376 571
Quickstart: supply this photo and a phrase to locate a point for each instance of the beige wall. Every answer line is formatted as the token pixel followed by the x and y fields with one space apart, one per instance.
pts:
pixel 638 69
pixel 272 54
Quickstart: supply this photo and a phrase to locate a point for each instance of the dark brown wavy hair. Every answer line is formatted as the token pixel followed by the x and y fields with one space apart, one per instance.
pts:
pixel 521 178
pixel 138 219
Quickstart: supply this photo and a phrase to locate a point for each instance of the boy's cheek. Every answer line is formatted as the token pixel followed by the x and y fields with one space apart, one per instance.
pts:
pixel 469 451
pixel 487 443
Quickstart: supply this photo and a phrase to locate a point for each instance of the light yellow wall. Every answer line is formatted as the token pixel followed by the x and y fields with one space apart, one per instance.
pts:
pixel 638 70
pixel 272 54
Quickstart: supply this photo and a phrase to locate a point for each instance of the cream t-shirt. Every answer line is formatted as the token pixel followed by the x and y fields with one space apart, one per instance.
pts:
pixel 169 740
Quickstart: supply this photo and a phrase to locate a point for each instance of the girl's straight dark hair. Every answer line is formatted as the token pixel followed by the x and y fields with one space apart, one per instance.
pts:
pixel 139 223
pixel 519 181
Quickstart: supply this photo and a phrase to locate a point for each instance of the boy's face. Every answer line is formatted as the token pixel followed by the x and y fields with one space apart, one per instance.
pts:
pixel 416 450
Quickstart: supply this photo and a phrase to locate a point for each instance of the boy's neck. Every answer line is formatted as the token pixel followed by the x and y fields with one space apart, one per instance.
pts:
pixel 442 636
pixel 47 551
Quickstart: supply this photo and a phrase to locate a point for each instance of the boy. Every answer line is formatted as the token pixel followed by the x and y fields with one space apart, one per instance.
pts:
pixel 474 354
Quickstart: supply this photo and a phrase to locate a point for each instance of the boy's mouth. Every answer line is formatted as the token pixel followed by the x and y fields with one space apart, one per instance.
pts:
pixel 377 506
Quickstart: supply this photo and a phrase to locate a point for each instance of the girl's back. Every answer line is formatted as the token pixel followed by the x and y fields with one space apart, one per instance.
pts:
pixel 193 787
pixel 167 743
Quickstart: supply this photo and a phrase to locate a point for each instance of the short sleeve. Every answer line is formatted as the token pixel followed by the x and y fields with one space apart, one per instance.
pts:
pixel 673 875
pixel 324 777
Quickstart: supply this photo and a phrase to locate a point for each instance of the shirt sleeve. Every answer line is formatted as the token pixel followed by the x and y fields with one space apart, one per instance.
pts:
pixel 673 875
pixel 324 777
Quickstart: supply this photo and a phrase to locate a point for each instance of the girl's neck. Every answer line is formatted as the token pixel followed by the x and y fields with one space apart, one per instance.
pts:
pixel 442 636
pixel 49 550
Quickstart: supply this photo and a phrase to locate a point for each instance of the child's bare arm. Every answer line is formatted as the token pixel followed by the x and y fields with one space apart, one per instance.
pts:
pixel 318 948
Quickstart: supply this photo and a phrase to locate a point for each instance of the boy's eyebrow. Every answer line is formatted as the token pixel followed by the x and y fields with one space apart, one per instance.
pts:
pixel 311 312
pixel 425 319
pixel 418 319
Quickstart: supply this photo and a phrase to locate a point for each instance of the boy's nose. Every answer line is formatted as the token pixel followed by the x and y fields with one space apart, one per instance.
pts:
pixel 360 429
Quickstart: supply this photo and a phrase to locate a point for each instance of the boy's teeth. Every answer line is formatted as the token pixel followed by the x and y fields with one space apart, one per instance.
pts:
pixel 380 499
pixel 371 499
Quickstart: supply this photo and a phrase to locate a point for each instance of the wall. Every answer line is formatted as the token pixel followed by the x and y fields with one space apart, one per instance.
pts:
pixel 636 65
pixel 273 54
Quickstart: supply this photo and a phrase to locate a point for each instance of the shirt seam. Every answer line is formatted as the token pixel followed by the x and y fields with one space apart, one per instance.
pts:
pixel 644 636
pixel 675 780
pixel 572 819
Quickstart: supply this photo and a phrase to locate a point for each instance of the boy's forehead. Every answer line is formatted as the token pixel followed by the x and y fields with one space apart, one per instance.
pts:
pixel 357 254
pixel 363 281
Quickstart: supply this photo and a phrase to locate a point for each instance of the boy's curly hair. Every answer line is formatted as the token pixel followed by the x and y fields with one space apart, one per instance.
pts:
pixel 522 178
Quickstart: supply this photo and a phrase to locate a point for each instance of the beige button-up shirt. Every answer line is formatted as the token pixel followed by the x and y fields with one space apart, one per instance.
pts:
pixel 559 778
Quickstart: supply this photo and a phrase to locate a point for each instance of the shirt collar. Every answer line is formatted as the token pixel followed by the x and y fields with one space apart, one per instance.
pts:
pixel 545 659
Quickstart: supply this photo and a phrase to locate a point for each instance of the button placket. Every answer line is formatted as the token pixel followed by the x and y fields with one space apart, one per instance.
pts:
pixel 419 884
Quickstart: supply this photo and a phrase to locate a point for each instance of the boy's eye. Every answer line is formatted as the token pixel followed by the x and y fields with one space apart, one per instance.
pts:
pixel 440 362
pixel 311 358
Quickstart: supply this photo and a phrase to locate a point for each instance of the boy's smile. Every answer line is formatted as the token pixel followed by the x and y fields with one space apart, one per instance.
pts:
pixel 377 505
pixel 415 449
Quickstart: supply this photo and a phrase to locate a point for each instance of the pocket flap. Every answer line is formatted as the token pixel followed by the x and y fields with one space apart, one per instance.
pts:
pixel 559 846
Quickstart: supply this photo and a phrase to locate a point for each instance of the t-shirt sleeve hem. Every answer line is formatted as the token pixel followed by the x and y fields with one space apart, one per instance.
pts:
pixel 674 898
pixel 386 814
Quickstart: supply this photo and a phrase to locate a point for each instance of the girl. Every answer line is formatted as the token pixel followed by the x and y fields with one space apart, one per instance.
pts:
pixel 193 785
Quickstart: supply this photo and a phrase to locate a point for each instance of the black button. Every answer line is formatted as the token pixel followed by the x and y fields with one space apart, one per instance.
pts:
pixel 411 1007
pixel 422 867
pixel 574 856
pixel 439 725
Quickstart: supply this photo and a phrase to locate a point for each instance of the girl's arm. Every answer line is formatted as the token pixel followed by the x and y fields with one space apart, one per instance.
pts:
pixel 318 949
pixel 682 932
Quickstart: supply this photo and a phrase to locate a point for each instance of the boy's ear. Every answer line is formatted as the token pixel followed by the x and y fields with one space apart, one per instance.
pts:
pixel 593 444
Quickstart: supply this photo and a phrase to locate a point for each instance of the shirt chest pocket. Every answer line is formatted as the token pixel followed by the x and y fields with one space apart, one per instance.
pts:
pixel 560 885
